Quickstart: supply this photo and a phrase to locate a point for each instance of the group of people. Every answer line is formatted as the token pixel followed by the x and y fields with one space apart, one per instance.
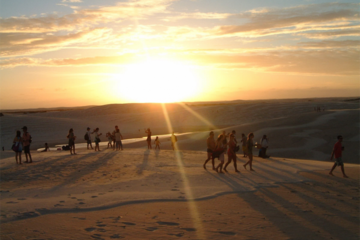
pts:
pixel 215 149
pixel 173 140
pixel 220 147
pixel 20 143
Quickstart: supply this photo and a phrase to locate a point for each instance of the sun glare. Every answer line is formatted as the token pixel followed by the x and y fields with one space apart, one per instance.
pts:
pixel 157 81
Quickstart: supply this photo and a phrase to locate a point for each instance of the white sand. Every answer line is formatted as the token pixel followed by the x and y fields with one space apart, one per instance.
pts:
pixel 147 194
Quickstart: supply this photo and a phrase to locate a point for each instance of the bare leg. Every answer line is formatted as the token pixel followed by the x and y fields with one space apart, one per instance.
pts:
pixel 208 159
pixel 235 164
pixel 228 162
pixel 343 171
pixel 332 169
pixel 20 158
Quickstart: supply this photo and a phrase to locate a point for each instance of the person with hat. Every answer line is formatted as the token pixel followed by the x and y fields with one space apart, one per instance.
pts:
pixel 26 138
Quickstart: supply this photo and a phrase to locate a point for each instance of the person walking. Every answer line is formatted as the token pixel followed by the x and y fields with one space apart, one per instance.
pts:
pixel 113 137
pixel 71 138
pixel 173 141
pixel 27 139
pixel 264 147
pixel 220 152
pixel 231 153
pixel 97 139
pixel 17 147
pixel 118 138
pixel 157 143
pixel 243 144
pixel 148 139
pixel 110 140
pixel 337 152
pixel 88 138
pixel 210 143
pixel 249 150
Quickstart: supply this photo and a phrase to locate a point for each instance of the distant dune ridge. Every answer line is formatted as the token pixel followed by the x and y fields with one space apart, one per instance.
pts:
pixel 149 194
pixel 293 127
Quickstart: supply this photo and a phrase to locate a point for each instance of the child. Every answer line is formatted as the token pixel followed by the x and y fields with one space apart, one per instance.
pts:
pixel 157 142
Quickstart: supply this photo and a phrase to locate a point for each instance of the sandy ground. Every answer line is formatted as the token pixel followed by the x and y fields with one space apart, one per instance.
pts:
pixel 140 194
pixel 147 194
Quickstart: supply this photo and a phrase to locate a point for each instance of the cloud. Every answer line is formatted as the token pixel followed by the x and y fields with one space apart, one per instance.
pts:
pixel 293 20
pixel 332 34
pixel 84 17
pixel 344 62
pixel 72 1
pixel 19 44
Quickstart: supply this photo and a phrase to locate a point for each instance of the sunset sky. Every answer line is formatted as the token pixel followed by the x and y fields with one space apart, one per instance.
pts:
pixel 63 53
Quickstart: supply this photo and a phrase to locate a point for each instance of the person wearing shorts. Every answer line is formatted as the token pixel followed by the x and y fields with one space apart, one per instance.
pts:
pixel 243 144
pixel 26 138
pixel 337 152
pixel 210 142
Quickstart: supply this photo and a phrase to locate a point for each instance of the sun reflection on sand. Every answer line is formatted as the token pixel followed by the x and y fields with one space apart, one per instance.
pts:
pixel 189 195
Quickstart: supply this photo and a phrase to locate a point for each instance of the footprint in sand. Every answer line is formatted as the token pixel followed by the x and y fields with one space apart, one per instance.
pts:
pixel 90 229
pixel 101 230
pixel 228 233
pixel 116 236
pixel 174 189
pixel 94 196
pixel 151 229
pixel 129 223
pixel 80 199
pixel 189 229
pixel 73 197
pixel 58 205
pixel 11 202
pixel 21 199
pixel 168 223
pixel 97 236
pixel 81 203
pixel 101 225
pixel 62 201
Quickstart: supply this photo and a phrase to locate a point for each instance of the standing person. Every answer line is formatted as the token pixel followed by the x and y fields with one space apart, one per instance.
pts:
pixel 249 150
pixel 113 136
pixel 157 142
pixel 88 138
pixel 264 147
pixel 220 152
pixel 337 152
pixel 225 142
pixel 234 133
pixel 118 138
pixel 148 139
pixel 173 141
pixel 26 138
pixel 210 143
pixel 18 146
pixel 243 143
pixel 110 140
pixel 231 153
pixel 97 139
pixel 71 138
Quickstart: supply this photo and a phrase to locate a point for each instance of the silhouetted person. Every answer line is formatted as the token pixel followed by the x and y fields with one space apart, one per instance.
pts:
pixel 148 139
pixel 71 138
pixel 26 138
pixel 249 150
pixel 17 147
pixel 210 143
pixel 46 148
pixel 173 139
pixel 337 152
pixel 220 152
pixel 157 143
pixel 243 143
pixel 97 139
pixel 231 153
pixel 88 138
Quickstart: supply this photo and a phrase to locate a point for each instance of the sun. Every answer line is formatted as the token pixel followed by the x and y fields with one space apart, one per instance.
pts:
pixel 157 80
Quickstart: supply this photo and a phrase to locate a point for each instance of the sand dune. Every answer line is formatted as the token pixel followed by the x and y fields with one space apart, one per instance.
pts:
pixel 146 194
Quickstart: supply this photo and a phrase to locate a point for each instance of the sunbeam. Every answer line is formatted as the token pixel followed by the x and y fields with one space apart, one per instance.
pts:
pixel 189 196
pixel 197 115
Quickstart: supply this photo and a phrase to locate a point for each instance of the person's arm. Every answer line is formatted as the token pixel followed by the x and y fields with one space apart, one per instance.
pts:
pixel 332 154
